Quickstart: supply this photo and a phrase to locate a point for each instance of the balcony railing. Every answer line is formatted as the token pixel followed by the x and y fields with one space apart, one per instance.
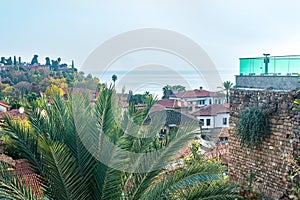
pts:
pixel 278 66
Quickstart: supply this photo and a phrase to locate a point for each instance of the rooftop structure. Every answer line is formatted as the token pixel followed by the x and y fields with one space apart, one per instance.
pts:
pixel 269 72
pixel 270 65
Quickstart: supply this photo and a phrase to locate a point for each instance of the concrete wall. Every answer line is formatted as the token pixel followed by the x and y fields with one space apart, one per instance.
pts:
pixel 270 161
pixel 275 82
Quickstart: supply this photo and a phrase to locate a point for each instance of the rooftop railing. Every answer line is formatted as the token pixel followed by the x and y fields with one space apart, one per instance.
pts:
pixel 277 66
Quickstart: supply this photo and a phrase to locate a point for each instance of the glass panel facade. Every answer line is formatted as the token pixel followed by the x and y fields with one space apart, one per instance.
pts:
pixel 280 65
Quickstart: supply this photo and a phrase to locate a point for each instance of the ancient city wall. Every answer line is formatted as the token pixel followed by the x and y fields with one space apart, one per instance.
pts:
pixel 272 160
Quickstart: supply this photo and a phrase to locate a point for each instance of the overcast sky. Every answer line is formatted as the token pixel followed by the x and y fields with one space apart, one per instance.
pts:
pixel 226 30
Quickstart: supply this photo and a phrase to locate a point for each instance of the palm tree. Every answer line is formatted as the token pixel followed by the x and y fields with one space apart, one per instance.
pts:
pixel 114 78
pixel 55 145
pixel 227 86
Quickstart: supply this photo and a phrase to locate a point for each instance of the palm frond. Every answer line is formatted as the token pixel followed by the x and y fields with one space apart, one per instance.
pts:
pixel 152 163
pixel 61 174
pixel 212 191
pixel 186 177
pixel 26 142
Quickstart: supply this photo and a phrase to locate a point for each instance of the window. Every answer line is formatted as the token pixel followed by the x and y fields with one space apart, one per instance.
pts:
pixel 207 122
pixel 201 102
pixel 201 122
pixel 94 96
pixel 224 121
pixel 209 101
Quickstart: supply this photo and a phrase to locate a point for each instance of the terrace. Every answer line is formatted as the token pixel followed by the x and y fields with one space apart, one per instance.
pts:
pixel 272 72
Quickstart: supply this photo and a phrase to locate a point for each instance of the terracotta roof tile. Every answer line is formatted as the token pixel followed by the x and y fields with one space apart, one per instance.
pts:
pixel 224 132
pixel 220 151
pixel 14 113
pixel 211 110
pixel 23 170
pixel 4 104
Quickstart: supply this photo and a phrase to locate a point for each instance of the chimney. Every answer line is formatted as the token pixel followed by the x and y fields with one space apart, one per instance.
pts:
pixel 201 88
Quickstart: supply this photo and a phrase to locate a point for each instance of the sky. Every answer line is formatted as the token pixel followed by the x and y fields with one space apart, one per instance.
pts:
pixel 226 30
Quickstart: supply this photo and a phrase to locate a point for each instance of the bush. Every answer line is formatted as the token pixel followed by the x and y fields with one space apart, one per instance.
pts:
pixel 253 127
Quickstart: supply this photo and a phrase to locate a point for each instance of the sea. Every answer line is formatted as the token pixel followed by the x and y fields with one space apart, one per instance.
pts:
pixel 140 81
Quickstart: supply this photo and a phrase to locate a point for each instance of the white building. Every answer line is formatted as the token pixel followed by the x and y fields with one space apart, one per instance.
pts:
pixel 200 97
pixel 213 116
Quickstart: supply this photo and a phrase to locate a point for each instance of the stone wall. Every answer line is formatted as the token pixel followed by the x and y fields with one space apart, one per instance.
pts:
pixel 275 82
pixel 270 161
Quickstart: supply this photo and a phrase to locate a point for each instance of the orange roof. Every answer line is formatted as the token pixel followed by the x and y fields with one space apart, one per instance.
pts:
pixel 25 173
pixel 24 170
pixel 14 113
pixel 4 104
pixel 220 151
pixel 211 110
pixel 224 132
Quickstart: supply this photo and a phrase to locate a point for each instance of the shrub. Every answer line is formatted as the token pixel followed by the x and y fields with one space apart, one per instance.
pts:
pixel 253 127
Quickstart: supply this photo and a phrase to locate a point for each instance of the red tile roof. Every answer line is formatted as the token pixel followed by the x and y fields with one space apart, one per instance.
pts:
pixel 211 110
pixel 167 103
pixel 224 132
pixel 220 151
pixel 4 104
pixel 195 93
pixel 14 113
pixel 24 171
pixel 171 103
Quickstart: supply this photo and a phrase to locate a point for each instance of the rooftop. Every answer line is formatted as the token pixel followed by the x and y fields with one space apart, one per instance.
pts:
pixel 212 110
pixel 277 65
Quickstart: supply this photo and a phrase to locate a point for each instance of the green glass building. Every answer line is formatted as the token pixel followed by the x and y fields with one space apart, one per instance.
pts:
pixel 277 65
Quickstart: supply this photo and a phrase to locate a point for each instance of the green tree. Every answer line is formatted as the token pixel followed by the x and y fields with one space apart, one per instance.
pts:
pixel 114 78
pixel 23 87
pixel 15 60
pixel 53 144
pixel 227 86
pixel 9 61
pixel 169 90
pixel 34 59
pixel 47 61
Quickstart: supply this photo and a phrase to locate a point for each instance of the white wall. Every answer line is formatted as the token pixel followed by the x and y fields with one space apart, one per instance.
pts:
pixel 219 120
pixel 3 109
pixel 215 121
pixel 205 122
pixel 207 100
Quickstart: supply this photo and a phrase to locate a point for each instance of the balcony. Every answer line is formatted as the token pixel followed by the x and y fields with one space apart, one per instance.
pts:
pixel 277 72
pixel 277 66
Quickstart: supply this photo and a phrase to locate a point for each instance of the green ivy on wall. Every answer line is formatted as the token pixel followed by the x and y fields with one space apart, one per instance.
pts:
pixel 253 127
